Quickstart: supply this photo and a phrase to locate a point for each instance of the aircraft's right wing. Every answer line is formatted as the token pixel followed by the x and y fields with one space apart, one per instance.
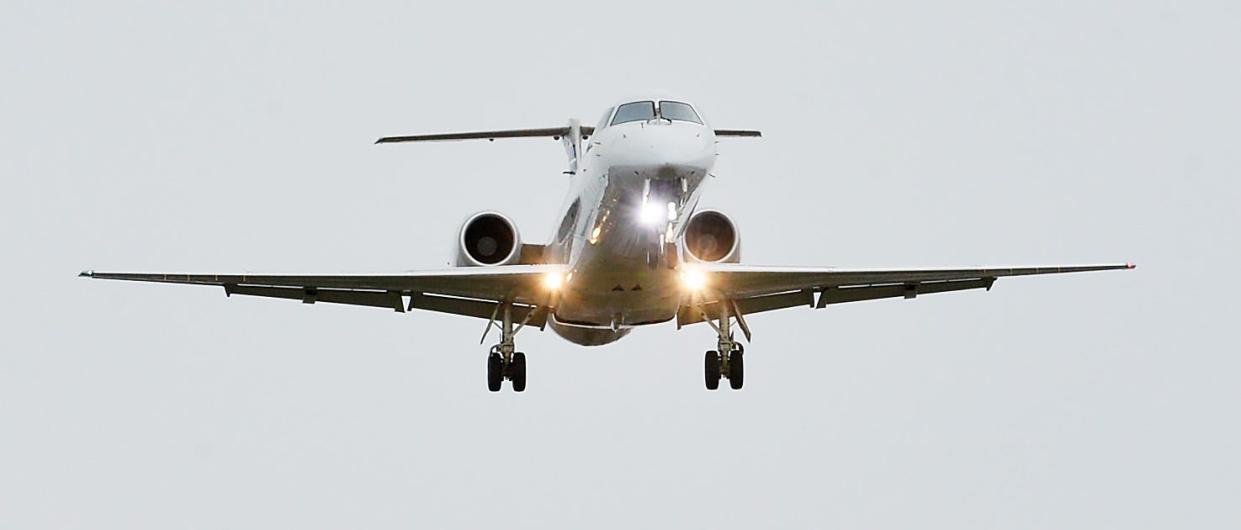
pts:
pixel 462 291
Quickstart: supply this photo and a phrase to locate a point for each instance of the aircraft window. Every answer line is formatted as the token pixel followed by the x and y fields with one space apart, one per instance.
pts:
pixel 675 110
pixel 636 111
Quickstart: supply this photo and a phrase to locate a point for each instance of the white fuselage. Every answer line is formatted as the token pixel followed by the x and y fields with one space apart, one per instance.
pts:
pixel 635 186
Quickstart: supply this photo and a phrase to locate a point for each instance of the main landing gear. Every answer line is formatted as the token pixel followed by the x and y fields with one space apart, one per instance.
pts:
pixel 729 365
pixel 499 369
pixel 504 362
pixel 727 359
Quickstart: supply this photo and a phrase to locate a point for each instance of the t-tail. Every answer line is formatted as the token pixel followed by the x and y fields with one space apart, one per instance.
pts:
pixel 572 135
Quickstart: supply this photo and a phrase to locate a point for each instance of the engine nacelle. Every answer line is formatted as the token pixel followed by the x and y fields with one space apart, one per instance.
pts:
pixel 488 239
pixel 711 237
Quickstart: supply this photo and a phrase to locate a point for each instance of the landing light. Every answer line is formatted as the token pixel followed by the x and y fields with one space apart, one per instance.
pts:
pixel 552 281
pixel 652 212
pixel 693 279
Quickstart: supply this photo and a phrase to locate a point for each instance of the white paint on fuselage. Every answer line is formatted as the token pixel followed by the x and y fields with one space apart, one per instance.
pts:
pixel 612 286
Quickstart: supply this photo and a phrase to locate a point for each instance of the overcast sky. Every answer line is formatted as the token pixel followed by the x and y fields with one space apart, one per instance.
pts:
pixel 236 136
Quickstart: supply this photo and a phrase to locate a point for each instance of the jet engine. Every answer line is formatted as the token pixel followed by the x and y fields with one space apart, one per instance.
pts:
pixel 711 237
pixel 487 239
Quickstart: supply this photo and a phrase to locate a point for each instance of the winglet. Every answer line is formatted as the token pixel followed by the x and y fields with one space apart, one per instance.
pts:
pixel 86 274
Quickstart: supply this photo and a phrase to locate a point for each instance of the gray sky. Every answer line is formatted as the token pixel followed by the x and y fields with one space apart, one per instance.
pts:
pixel 219 136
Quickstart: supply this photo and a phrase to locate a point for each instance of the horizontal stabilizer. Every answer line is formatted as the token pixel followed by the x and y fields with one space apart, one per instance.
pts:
pixel 552 132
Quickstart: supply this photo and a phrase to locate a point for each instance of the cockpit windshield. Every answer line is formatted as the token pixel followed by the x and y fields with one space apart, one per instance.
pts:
pixel 675 110
pixel 646 110
pixel 636 111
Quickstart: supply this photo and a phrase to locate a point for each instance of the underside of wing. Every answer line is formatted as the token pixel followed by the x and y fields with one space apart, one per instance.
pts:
pixel 470 291
pixel 757 289
pixel 748 280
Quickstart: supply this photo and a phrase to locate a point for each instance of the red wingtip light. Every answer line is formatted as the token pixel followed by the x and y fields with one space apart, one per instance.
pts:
pixel 1131 265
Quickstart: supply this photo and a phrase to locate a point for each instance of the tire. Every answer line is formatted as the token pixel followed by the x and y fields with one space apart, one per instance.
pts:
pixel 711 368
pixel 495 372
pixel 518 370
pixel 736 370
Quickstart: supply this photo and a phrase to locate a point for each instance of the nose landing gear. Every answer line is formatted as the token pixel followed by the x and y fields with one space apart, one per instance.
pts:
pixel 661 253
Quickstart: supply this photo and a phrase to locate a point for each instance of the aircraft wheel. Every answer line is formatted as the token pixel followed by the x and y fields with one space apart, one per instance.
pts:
pixel 518 372
pixel 495 372
pixel 736 370
pixel 711 368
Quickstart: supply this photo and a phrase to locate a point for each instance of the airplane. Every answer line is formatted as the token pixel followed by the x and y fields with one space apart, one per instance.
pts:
pixel 632 249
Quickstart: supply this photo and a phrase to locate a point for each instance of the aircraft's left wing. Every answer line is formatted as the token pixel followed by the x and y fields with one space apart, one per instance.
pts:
pixel 757 289
pixel 464 291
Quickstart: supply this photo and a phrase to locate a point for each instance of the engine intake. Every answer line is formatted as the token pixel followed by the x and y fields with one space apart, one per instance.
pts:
pixel 488 239
pixel 712 237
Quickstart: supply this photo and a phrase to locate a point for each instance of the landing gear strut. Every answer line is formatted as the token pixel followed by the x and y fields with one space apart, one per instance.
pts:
pixel 727 359
pixel 504 361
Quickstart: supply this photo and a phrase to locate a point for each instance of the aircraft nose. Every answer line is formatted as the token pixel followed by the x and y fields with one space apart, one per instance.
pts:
pixel 662 148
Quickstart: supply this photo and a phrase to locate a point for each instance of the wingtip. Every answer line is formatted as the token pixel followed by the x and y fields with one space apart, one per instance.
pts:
pixel 1131 265
pixel 86 274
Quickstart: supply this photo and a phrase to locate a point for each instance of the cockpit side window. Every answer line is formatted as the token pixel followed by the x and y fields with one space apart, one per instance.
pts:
pixel 636 111
pixel 675 110
pixel 603 122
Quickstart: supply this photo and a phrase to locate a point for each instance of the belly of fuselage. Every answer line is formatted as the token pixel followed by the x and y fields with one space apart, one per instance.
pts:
pixel 616 284
pixel 619 295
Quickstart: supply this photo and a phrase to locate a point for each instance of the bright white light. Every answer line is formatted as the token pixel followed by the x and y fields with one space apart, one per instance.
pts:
pixel 672 211
pixel 552 281
pixel 693 279
pixel 652 213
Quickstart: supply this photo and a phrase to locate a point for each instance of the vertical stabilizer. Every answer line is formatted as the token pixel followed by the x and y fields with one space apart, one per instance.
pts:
pixel 573 144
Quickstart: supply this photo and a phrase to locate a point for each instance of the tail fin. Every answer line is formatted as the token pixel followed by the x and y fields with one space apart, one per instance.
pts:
pixel 573 144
